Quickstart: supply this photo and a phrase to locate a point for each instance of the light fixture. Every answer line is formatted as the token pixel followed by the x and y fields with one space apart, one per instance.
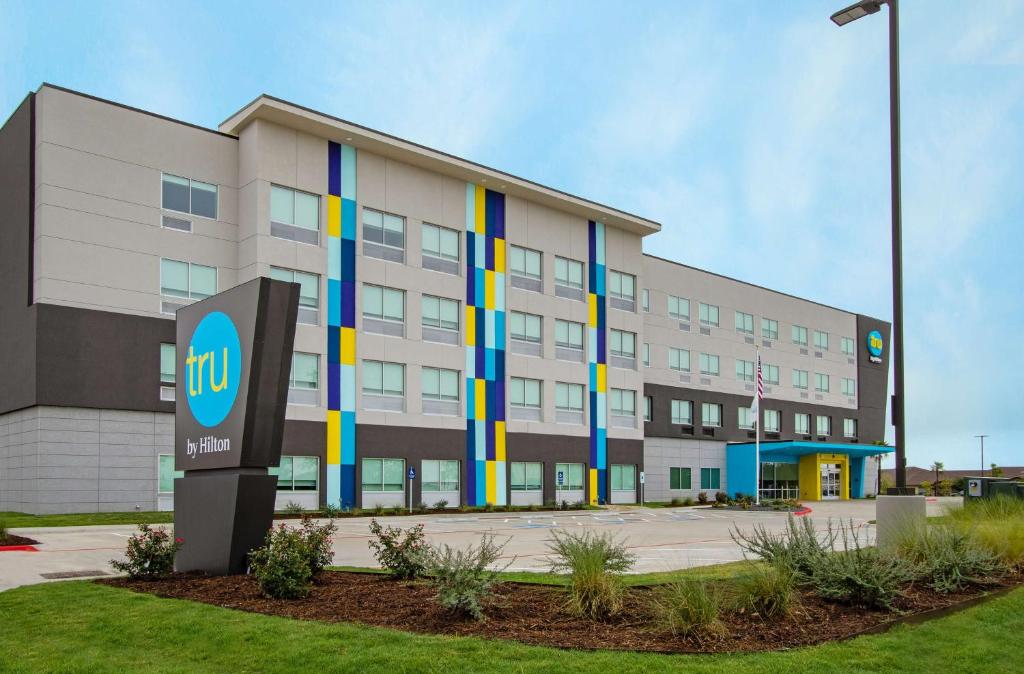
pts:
pixel 856 11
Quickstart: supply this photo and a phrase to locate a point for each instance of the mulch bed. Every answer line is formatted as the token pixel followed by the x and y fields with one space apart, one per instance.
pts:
pixel 11 539
pixel 536 614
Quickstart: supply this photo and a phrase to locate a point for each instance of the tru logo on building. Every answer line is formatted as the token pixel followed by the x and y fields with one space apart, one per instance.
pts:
pixel 875 346
pixel 213 365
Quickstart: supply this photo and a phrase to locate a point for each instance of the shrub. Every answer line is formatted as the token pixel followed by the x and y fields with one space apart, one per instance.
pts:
pixel 149 555
pixel 463 578
pixel 769 590
pixel 378 510
pixel 397 510
pixel 282 566
pixel 859 576
pixel 926 487
pixel 721 497
pixel 997 524
pixel 316 541
pixel 293 509
pixel 946 558
pixel 595 563
pixel 676 501
pixel 441 505
pixel 798 547
pixel 702 497
pixel 330 512
pixel 403 556
pixel 691 608
pixel 687 501
pixel 3 529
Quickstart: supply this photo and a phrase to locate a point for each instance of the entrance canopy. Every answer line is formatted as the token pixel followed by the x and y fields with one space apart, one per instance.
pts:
pixel 744 478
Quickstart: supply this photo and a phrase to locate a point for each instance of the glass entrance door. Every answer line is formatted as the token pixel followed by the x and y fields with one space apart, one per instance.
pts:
pixel 830 473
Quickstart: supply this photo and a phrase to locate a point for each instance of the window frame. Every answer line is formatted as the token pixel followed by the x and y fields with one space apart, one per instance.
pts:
pixel 525 336
pixel 742 369
pixel 817 425
pixel 524 404
pixel 804 416
pixel 746 319
pixel 440 397
pixel 612 332
pixel 772 427
pixel 819 377
pixel 770 329
pixel 673 351
pixel 796 332
pixel 383 291
pixel 714 478
pixel 620 393
pixel 424 298
pixel 384 393
pixel 290 458
pixel 569 474
pixel 821 340
pixel 441 230
pixel 383 242
pixel 188 268
pixel 441 485
pixel 705 365
pixel 800 378
pixel 705 417
pixel 216 197
pixel 383 483
pixel 678 404
pixel 319 219
pixel 291 372
pixel 570 263
pixel 847 425
pixel 704 314
pixel 678 301
pixel 620 275
pixel 526 254
pixel 675 478
pixel 526 484
pixel 571 386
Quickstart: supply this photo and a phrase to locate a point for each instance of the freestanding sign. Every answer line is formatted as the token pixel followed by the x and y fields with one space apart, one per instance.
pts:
pixel 233 363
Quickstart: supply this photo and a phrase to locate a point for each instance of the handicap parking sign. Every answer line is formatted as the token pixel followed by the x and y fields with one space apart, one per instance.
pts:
pixel 412 473
pixel 561 478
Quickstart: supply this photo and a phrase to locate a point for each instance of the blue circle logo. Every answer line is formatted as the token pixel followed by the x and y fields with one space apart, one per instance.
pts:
pixel 213 366
pixel 875 343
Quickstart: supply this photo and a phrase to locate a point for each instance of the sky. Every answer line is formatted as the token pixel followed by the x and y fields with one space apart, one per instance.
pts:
pixel 756 131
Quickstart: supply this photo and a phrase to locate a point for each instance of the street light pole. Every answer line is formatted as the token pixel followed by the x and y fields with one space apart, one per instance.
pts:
pixel 982 438
pixel 841 18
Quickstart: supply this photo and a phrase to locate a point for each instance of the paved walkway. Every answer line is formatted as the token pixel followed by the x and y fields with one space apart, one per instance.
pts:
pixel 663 539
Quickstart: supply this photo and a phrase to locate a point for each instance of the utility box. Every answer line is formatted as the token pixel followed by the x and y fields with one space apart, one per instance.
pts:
pixel 990 487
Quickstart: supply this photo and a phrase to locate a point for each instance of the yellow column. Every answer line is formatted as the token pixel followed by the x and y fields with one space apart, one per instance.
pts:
pixel 810 477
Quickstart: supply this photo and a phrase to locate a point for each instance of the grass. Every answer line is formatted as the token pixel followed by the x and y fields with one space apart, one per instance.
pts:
pixel 997 524
pixel 112 630
pixel 16 520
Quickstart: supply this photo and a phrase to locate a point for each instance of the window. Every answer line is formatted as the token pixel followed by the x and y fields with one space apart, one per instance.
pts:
pixel 824 425
pixel 623 402
pixel 167 363
pixel 800 379
pixel 297 473
pixel 772 421
pixel 294 215
pixel 679 359
pixel 820 382
pixel 526 476
pixel 744 417
pixel 525 262
pixel 383 379
pixel 679 307
pixel 440 312
pixel 800 335
pixel 849 387
pixel 525 392
pixel 709 364
pixel 802 424
pixel 648 406
pixel 709 314
pixel 623 477
pixel 384 229
pixel 744 323
pixel 623 344
pixel 168 474
pixel 383 475
pixel 646 299
pixel 189 196
pixel 711 414
pixel 568 397
pixel 849 428
pixel 440 475
pixel 568 334
pixel 309 292
pixel 305 374
pixel 440 242
pixel 383 304
pixel 769 329
pixel 647 354
pixel 745 370
pixel 622 286
pixel 440 384
pixel 187 281
pixel 821 340
pixel 569 273
pixel 710 478
pixel 770 373
pixel 847 345
pixel 682 412
pixel 572 476
pixel 679 478
pixel 525 327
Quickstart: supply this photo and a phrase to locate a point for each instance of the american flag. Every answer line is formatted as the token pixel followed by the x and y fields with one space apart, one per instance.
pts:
pixel 755 407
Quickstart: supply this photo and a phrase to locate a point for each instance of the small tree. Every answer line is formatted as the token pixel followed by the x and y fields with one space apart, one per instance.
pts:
pixel 926 487
pixel 938 467
pixel 996 471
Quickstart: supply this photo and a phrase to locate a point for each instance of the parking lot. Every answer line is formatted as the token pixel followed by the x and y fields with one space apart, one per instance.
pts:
pixel 662 538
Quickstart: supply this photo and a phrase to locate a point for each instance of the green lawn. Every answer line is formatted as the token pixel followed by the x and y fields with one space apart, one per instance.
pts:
pixel 15 520
pixel 81 626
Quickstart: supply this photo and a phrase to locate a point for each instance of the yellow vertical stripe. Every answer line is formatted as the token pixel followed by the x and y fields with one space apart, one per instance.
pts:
pixel 488 289
pixel 470 325
pixel 491 483
pixel 499 440
pixel 333 215
pixel 593 486
pixel 591 310
pixel 333 438
pixel 499 256
pixel 479 220
pixel 602 377
pixel 348 346
pixel 481 399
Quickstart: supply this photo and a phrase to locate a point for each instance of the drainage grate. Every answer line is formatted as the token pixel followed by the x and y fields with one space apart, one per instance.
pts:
pixel 61 575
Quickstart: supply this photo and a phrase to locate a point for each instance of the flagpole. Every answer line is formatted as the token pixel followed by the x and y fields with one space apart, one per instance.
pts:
pixel 757 433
